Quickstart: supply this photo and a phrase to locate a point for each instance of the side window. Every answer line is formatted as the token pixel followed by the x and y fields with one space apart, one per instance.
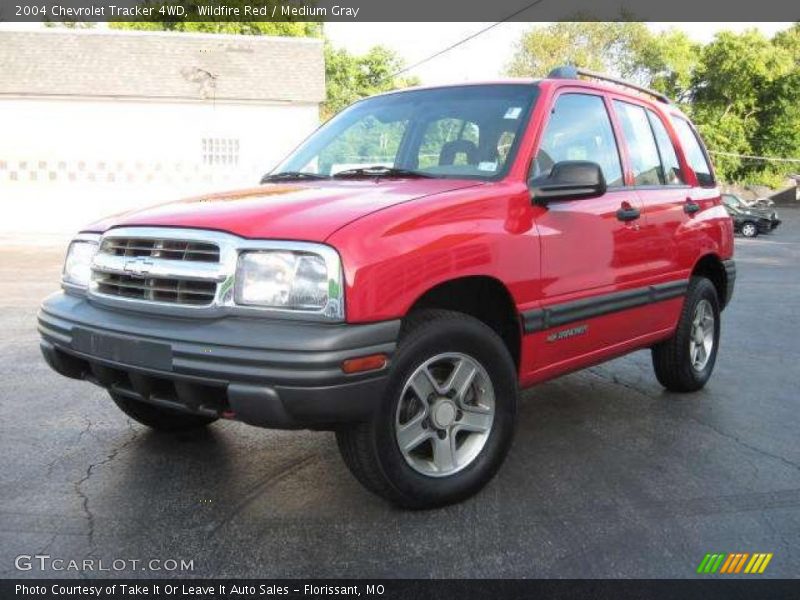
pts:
pixel 669 159
pixel 694 152
pixel 645 161
pixel 579 129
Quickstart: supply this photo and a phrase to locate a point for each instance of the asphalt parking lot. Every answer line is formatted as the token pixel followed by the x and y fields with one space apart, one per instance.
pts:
pixel 609 475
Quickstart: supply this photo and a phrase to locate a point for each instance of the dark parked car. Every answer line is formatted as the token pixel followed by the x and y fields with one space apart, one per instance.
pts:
pixel 748 223
pixel 747 219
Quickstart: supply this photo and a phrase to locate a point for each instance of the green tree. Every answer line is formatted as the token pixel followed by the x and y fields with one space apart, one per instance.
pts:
pixel 598 46
pixel 666 62
pixel 70 24
pixel 350 77
pixel 280 28
pixel 740 80
pixel 789 40
pixel 735 69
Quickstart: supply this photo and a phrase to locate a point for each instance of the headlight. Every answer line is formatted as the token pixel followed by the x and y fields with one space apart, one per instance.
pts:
pixel 296 280
pixel 78 264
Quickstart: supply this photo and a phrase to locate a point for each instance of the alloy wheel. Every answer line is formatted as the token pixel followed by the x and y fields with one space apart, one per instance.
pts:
pixel 701 338
pixel 748 230
pixel 445 414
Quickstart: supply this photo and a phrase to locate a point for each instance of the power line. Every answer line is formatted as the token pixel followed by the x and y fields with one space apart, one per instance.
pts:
pixel 465 40
pixel 753 157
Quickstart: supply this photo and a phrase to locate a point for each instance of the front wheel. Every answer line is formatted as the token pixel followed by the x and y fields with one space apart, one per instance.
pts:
pixel 446 420
pixel 684 362
pixel 749 230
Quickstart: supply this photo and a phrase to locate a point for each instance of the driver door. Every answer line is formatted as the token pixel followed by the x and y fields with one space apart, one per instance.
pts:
pixel 589 254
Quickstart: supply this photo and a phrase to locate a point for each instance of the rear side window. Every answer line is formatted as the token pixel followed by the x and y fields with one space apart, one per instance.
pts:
pixel 644 157
pixel 579 129
pixel 694 152
pixel 671 168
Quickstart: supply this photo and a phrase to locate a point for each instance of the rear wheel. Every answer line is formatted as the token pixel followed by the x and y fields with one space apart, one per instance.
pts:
pixel 749 229
pixel 157 417
pixel 446 420
pixel 684 363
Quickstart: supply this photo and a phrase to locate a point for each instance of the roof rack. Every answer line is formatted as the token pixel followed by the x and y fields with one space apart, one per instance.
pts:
pixel 571 72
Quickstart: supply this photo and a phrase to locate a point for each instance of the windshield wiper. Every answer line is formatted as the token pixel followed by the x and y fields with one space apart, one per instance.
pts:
pixel 380 171
pixel 290 175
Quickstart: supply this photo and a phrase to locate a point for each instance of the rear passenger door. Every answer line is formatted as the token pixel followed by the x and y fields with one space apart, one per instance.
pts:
pixel 660 183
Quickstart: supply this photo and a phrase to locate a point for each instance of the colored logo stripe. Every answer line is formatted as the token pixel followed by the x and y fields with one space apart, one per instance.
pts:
pixel 734 562
pixel 710 563
pixel 758 563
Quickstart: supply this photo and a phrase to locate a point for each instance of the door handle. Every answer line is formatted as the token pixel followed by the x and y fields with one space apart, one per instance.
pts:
pixel 628 213
pixel 691 207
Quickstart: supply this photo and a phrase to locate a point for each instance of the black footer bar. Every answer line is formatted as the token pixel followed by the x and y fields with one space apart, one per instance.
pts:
pixel 390 589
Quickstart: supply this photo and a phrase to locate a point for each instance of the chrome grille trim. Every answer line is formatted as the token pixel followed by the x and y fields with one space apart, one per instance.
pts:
pixel 179 291
pixel 158 267
pixel 161 248
pixel 144 275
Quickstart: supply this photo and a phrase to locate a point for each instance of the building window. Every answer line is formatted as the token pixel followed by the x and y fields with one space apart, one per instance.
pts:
pixel 220 151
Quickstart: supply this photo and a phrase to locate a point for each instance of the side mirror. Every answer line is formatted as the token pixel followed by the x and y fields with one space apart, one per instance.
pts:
pixel 569 180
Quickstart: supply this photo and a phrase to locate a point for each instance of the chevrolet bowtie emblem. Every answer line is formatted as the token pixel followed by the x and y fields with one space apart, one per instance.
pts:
pixel 138 266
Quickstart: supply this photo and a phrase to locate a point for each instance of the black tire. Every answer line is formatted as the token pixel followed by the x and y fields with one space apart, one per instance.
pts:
pixel 371 450
pixel 672 358
pixel 749 229
pixel 156 417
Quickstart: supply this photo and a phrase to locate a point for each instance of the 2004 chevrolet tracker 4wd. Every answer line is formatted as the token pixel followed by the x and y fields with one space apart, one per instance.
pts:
pixel 408 268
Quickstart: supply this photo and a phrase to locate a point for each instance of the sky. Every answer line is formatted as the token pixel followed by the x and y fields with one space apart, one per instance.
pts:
pixel 484 57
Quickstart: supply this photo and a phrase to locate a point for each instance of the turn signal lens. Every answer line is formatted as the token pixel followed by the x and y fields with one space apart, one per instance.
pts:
pixel 364 363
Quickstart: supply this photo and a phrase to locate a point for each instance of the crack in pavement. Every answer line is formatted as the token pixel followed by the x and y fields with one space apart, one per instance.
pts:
pixel 48 544
pixel 90 520
pixel 51 465
pixel 611 378
pixel 259 487
pixel 736 439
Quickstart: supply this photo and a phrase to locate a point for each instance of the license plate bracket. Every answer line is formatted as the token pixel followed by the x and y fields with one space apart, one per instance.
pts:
pixel 123 350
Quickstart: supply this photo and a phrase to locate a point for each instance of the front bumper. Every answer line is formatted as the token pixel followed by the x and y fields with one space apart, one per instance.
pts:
pixel 265 372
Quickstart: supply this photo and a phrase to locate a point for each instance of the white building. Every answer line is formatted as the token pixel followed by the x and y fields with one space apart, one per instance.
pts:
pixel 94 122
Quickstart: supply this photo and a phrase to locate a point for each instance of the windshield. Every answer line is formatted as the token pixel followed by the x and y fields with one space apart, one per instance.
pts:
pixel 731 201
pixel 464 131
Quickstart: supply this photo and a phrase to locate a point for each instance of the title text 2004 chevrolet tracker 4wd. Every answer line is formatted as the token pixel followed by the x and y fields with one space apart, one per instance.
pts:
pixel 412 264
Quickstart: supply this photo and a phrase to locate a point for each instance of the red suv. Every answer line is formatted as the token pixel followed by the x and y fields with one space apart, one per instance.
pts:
pixel 408 268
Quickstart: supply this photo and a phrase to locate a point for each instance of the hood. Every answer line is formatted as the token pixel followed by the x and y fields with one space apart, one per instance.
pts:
pixel 755 211
pixel 309 211
pixel 758 214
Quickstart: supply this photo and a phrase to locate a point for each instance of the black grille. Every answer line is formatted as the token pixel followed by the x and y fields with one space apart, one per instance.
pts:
pixel 161 248
pixel 177 291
